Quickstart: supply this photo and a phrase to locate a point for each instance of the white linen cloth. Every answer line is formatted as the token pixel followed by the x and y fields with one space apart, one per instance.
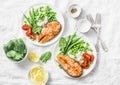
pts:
pixel 107 70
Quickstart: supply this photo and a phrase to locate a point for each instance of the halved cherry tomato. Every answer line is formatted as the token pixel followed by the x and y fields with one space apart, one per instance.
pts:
pixel 29 31
pixel 28 34
pixel 88 58
pixel 86 67
pixel 87 55
pixel 26 27
pixel 33 36
pixel 92 58
pixel 85 63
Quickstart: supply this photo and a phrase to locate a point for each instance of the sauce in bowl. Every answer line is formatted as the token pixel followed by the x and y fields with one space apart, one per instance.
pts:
pixel 38 76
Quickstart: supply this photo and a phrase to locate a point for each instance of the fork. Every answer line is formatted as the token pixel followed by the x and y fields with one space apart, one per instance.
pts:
pixel 91 20
pixel 97 25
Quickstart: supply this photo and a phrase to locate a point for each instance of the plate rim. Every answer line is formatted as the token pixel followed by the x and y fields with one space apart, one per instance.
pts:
pixel 89 71
pixel 57 37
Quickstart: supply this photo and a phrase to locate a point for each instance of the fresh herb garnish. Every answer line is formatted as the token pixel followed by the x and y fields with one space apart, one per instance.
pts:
pixel 45 57
pixel 60 66
pixel 90 63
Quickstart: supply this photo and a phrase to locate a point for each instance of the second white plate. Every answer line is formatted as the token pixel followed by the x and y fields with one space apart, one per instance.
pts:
pixel 85 71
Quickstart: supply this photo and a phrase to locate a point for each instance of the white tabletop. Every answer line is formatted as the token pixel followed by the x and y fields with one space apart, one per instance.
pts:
pixel 107 70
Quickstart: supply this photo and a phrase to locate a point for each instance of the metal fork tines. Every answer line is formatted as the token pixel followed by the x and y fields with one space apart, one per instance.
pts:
pixel 90 18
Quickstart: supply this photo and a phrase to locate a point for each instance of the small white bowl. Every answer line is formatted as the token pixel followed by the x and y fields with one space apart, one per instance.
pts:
pixel 74 10
pixel 24 56
pixel 47 75
pixel 83 25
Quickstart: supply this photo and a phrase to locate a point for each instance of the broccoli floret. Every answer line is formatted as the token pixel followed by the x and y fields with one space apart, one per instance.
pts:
pixel 14 55
pixel 9 46
pixel 11 54
pixel 18 57
pixel 5 48
pixel 19 46
pixel 15 49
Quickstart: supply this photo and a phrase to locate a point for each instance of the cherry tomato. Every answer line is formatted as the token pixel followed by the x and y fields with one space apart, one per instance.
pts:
pixel 26 27
pixel 29 31
pixel 85 63
pixel 33 36
pixel 87 59
pixel 86 67
pixel 28 34
pixel 87 55
pixel 92 58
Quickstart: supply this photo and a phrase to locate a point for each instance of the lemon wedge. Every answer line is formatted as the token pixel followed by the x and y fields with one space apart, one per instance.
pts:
pixel 38 76
pixel 33 57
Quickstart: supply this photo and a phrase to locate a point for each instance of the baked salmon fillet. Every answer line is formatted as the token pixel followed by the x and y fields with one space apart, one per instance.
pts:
pixel 70 66
pixel 49 31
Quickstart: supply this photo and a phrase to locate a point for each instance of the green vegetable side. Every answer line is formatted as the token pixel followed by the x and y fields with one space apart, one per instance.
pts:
pixel 15 49
pixel 72 45
pixel 39 15
pixel 45 57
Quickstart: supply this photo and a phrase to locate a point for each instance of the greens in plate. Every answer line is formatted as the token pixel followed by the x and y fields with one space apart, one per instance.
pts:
pixel 38 17
pixel 41 24
pixel 72 45
pixel 75 52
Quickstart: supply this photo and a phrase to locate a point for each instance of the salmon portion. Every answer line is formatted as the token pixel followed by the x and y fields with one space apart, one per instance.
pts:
pixel 70 66
pixel 49 31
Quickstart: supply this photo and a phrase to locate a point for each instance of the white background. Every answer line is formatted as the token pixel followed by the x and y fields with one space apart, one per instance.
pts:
pixel 107 70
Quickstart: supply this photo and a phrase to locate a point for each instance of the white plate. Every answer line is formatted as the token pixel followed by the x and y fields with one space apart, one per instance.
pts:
pixel 85 71
pixel 59 19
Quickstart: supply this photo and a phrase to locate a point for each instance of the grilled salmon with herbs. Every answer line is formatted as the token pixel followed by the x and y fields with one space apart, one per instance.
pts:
pixel 49 31
pixel 70 66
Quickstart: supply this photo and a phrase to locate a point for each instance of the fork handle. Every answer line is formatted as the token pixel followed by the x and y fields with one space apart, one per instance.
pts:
pixel 104 45
pixel 101 42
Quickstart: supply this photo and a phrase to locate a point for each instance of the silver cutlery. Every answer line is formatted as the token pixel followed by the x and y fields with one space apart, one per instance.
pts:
pixel 93 26
pixel 97 25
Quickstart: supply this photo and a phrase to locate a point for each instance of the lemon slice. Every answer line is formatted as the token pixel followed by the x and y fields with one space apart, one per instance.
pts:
pixel 33 57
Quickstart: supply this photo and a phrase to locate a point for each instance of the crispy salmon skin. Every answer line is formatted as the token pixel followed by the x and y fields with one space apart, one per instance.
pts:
pixel 70 66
